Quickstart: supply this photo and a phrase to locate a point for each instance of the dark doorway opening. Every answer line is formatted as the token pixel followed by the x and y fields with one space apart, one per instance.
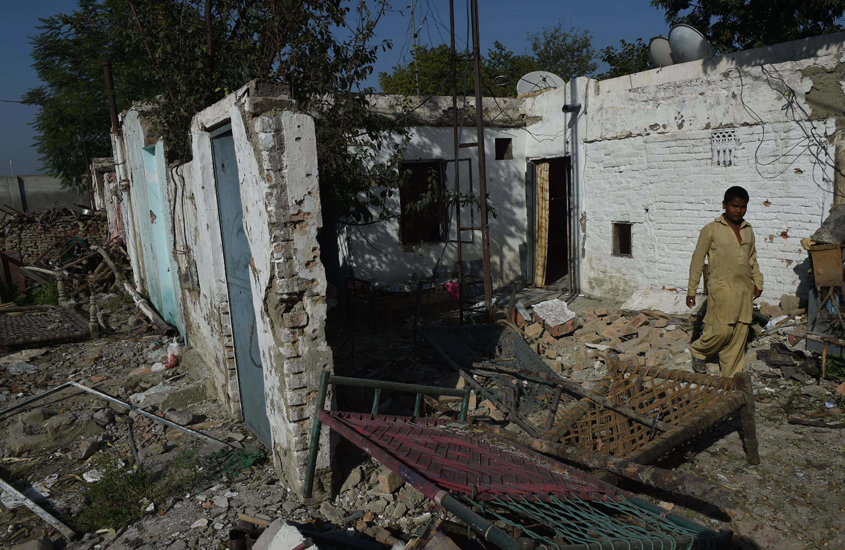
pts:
pixel 558 264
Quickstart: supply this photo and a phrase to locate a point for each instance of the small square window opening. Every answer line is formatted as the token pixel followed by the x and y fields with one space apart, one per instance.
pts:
pixel 504 149
pixel 622 239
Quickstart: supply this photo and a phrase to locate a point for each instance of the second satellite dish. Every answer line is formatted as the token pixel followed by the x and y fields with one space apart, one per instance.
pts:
pixel 538 81
pixel 688 44
pixel 660 51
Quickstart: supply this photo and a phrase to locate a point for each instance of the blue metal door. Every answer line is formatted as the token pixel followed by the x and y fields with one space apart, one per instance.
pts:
pixel 237 259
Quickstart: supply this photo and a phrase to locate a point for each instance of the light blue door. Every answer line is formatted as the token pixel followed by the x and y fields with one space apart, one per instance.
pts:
pixel 160 279
pixel 237 259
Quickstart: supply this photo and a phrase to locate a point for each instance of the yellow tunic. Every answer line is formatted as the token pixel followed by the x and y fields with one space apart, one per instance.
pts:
pixel 733 272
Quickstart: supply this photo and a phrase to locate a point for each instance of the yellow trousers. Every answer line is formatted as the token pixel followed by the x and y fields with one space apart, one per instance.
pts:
pixel 726 340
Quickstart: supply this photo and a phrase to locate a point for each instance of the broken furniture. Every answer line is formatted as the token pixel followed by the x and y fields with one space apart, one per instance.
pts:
pixel 39 325
pixel 826 302
pixel 638 413
pixel 506 494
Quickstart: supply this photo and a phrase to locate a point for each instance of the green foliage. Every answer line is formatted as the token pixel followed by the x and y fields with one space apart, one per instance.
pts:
pixel 630 58
pixel 41 294
pixel 835 369
pixel 567 53
pixel 171 56
pixel 72 101
pixel 743 24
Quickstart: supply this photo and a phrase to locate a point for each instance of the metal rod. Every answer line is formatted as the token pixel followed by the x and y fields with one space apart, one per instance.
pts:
pixel 117 402
pixel 418 405
pixel 396 386
pixel 513 415
pixel 115 124
pixel 315 437
pixel 441 497
pixel 667 480
pixel 38 510
pixel 582 392
pixel 553 408
pixel 482 169
pixel 457 146
pixel 464 406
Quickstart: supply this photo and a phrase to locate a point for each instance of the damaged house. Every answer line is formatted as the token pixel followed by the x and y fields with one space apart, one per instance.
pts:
pixel 603 185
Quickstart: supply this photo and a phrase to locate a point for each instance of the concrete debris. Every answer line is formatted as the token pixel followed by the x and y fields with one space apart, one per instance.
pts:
pixel 21 367
pixel 665 301
pixel 832 230
pixel 554 312
pixel 24 355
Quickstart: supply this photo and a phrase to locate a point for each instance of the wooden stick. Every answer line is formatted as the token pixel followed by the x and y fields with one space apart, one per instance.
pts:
pixel 581 392
pixel 667 480
pixel 824 359
pixel 816 424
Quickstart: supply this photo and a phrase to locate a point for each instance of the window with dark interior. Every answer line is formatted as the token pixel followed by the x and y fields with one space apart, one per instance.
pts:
pixel 622 239
pixel 504 148
pixel 423 217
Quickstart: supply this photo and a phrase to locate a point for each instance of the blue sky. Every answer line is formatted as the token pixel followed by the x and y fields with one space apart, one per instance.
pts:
pixel 505 21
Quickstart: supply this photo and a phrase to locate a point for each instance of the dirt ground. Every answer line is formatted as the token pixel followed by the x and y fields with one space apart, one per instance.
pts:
pixel 793 499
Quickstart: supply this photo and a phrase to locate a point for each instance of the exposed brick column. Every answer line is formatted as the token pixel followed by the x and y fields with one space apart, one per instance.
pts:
pixel 281 197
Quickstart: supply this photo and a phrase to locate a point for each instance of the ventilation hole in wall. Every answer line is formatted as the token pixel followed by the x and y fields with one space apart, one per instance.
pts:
pixel 723 145
pixel 622 239
pixel 504 148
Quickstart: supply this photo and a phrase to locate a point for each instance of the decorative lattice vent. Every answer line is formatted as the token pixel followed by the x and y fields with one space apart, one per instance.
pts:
pixel 723 145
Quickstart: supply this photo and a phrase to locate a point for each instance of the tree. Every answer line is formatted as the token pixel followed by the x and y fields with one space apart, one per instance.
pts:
pixel 631 57
pixel 732 25
pixel 567 53
pixel 72 100
pixel 164 51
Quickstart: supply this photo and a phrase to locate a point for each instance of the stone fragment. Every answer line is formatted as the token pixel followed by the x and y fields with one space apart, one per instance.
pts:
pixel 179 399
pixel 199 524
pixel 790 303
pixel 400 511
pixel 610 333
pixel 601 312
pixel 34 418
pixel 221 502
pixel 157 367
pixel 104 417
pixel 87 448
pixel 534 330
pixel 57 424
pixel 181 417
pixel 332 513
pixel 353 479
pixel 389 482
pixel 840 389
pixel 659 323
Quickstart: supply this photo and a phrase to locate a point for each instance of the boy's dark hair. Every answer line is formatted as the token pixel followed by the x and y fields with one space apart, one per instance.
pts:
pixel 736 192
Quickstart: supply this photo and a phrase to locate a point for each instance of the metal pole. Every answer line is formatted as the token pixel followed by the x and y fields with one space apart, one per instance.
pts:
pixel 88 174
pixel 414 32
pixel 482 172
pixel 59 526
pixel 115 125
pixel 457 142
pixel 315 437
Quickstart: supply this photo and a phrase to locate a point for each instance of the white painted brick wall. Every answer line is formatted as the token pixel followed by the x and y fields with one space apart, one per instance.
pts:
pixel 668 187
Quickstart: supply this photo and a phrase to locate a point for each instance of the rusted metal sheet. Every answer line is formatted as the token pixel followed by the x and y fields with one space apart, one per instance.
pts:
pixel 827 265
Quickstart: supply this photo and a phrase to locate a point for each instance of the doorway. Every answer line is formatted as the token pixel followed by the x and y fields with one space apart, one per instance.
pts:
pixel 237 258
pixel 549 199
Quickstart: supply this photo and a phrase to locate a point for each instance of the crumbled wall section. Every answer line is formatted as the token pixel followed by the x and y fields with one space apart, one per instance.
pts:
pixel 277 163
pixel 33 240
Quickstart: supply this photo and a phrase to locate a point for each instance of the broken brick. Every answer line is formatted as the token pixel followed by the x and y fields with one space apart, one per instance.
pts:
pixel 602 312
pixel 638 321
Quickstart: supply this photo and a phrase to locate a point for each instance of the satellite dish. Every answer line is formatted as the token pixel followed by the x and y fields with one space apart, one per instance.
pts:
pixel 688 44
pixel 537 81
pixel 660 51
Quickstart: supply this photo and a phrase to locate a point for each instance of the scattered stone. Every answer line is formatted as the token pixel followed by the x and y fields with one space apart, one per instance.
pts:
pixel 377 506
pixel 332 513
pixel 104 417
pixel 218 526
pixel 179 399
pixel 389 482
pixel 87 448
pixel 814 391
pixel 291 506
pixel 98 378
pixel 92 476
pixel 181 417
pixel 34 418
pixel 24 355
pixel 353 479
pixel 157 367
pixel 199 524
pixel 221 502
pixel 400 511
pixel 21 367
pixel 57 424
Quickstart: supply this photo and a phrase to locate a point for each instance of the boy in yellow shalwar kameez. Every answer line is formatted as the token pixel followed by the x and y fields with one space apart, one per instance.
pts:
pixel 735 281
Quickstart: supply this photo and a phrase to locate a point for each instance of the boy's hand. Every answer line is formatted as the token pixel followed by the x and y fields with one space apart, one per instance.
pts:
pixel 757 292
pixel 691 301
